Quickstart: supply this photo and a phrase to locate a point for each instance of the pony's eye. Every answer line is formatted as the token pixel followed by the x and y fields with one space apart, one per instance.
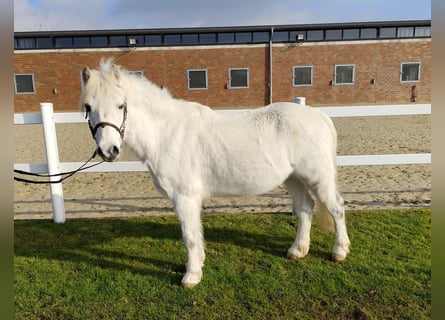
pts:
pixel 87 108
pixel 121 106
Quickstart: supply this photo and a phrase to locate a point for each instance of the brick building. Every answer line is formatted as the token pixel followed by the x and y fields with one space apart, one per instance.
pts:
pixel 237 67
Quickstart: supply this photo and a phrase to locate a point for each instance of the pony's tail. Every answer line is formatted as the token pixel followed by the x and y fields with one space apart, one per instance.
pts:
pixel 325 219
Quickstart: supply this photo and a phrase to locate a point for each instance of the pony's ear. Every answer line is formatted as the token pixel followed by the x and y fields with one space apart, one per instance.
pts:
pixel 85 74
pixel 116 71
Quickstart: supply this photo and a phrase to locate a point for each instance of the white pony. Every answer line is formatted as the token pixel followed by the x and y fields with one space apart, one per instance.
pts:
pixel 193 153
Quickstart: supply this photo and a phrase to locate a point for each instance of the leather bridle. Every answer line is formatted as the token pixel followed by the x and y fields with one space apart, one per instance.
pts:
pixel 103 124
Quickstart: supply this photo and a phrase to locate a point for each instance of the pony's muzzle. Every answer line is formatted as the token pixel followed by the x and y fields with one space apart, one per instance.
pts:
pixel 109 155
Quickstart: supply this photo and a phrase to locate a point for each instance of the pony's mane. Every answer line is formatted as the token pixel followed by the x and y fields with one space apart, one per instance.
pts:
pixel 107 67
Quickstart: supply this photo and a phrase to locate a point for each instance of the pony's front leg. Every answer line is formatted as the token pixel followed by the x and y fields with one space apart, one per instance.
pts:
pixel 188 211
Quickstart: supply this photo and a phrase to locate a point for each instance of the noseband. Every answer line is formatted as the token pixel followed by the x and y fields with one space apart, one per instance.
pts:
pixel 120 129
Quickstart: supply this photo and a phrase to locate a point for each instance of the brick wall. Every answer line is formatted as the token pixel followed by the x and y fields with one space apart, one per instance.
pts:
pixel 378 60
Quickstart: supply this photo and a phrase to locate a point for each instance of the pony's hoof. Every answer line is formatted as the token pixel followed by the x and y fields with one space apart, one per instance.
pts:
pixel 191 280
pixel 297 252
pixel 340 252
pixel 189 285
pixel 291 256
pixel 338 258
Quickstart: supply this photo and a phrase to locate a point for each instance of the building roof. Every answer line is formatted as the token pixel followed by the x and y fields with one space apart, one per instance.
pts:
pixel 222 35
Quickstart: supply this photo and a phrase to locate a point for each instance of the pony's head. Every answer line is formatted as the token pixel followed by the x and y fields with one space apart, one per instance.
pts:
pixel 104 101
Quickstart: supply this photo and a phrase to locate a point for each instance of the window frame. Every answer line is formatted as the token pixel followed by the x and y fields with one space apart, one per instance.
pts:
pixel 229 85
pixel 32 80
pixel 344 83
pixel 294 68
pixel 137 73
pixel 189 71
pixel 418 63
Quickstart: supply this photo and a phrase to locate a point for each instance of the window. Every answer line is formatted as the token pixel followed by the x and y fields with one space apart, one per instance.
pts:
pixel 26 43
pixel 197 79
pixel 99 41
pixel 81 42
pixel 423 32
pixel 368 33
pixel 153 40
pixel 207 38
pixel 389 32
pixel 302 76
pixel 315 35
pixel 190 38
pixel 349 34
pixel 64 42
pixel 243 37
pixel 44 42
pixel 118 41
pixel 24 83
pixel 238 78
pixel 405 32
pixel 259 37
pixel 227 37
pixel 410 71
pixel 172 39
pixel 344 74
pixel 281 36
pixel 333 34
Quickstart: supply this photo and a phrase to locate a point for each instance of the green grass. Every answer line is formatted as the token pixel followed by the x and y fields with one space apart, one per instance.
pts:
pixel 131 269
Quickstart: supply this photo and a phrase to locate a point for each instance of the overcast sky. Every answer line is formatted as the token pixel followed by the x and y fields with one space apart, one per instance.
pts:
pixel 49 15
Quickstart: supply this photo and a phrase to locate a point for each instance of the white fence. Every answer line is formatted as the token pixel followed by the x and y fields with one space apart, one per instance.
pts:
pixel 48 118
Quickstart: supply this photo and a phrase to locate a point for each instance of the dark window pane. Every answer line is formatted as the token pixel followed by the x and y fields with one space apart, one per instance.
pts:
pixel 24 83
pixel 281 36
pixel 410 72
pixel 333 34
pixel 368 33
pixel 259 37
pixel 239 78
pixel 99 41
pixel 190 38
pixel 207 38
pixel 118 41
pixel 315 35
pixel 243 37
pixel 388 32
pixel 44 43
pixel 153 40
pixel 350 34
pixel 197 79
pixel 228 37
pixel 344 74
pixel 64 42
pixel 302 76
pixel 81 42
pixel 172 39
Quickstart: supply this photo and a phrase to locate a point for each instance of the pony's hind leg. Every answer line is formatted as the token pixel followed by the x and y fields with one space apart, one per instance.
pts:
pixel 188 211
pixel 302 205
pixel 332 201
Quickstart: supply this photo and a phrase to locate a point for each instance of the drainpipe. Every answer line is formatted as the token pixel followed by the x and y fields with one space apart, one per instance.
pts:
pixel 270 66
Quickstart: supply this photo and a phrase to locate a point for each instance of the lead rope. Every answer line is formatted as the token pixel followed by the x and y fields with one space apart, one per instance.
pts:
pixel 66 174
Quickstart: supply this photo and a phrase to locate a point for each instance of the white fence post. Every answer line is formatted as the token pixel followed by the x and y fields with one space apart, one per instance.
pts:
pixel 300 100
pixel 52 158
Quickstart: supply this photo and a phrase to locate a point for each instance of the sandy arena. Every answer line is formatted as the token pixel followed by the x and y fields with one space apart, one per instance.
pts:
pixel 124 194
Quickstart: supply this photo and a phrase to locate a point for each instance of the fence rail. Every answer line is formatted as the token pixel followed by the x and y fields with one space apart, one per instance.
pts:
pixel 48 118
